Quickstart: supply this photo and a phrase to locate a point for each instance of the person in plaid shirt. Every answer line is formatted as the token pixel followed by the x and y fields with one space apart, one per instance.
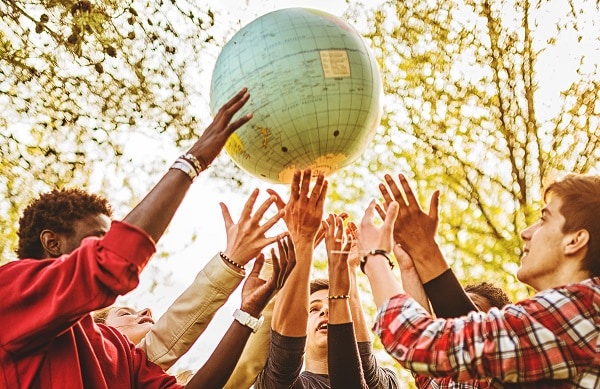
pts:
pixel 548 340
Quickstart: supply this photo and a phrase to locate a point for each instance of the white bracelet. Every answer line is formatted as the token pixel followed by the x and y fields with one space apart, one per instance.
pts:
pixel 186 167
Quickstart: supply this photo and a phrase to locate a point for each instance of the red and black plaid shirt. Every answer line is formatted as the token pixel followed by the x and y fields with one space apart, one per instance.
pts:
pixel 549 340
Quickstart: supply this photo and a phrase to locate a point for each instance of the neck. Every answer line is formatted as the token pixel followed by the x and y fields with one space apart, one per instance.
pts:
pixel 316 361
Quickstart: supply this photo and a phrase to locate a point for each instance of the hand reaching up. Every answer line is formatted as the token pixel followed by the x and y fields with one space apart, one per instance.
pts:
pixel 246 238
pixel 338 247
pixel 257 292
pixel 304 210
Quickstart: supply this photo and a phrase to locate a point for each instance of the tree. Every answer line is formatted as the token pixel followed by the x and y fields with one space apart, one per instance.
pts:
pixel 81 79
pixel 470 110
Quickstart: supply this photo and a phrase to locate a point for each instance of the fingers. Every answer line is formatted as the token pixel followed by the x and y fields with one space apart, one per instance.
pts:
pixel 295 187
pixel 258 264
pixel 278 200
pixel 396 194
pixel 380 211
pixel 226 216
pixel 247 211
pixel 319 190
pixel 410 197
pixel 433 205
pixel 262 209
pixel 390 218
pixel 305 185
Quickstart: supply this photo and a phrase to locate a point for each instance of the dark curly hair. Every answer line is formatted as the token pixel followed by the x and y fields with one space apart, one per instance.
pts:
pixel 492 293
pixel 56 211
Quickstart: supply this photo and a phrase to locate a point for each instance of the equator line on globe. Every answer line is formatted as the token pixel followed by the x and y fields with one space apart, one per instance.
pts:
pixel 315 93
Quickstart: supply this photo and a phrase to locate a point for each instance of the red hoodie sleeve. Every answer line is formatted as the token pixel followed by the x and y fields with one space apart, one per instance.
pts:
pixel 43 298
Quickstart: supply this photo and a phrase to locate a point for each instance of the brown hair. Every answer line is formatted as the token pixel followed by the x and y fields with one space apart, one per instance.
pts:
pixel 56 211
pixel 580 195
pixel 492 293
pixel 318 284
pixel 100 315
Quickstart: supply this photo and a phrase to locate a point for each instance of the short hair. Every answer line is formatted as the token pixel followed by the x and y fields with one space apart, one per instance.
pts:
pixel 57 211
pixel 495 295
pixel 318 284
pixel 580 195
pixel 100 315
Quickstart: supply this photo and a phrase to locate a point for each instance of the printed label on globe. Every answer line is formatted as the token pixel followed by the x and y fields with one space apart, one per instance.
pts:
pixel 335 63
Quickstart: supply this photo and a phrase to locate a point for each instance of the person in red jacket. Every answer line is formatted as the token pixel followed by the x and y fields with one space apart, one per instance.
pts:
pixel 48 337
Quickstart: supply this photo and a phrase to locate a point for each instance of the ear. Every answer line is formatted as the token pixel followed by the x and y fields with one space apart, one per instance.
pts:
pixel 576 242
pixel 50 243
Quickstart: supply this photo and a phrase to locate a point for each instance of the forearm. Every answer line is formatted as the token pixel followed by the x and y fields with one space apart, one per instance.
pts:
pixel 447 296
pixel 429 261
pixel 216 371
pixel 384 284
pixel 254 356
pixel 361 327
pixel 345 370
pixel 290 314
pixel 187 318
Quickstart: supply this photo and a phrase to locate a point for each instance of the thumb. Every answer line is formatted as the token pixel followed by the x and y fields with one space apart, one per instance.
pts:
pixel 390 217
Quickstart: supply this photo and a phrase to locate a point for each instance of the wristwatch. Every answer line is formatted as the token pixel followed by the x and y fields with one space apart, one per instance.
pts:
pixel 246 319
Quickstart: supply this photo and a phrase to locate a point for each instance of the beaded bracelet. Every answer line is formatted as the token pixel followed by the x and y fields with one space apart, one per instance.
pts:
pixel 386 254
pixel 231 261
pixel 186 167
pixel 340 297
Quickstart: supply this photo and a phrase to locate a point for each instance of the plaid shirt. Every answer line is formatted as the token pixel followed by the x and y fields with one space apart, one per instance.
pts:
pixel 549 340
pixel 426 382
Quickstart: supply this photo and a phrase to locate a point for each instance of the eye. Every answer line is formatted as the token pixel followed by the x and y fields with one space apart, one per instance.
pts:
pixel 313 309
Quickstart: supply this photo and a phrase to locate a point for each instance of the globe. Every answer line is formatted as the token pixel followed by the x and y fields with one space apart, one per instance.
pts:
pixel 315 93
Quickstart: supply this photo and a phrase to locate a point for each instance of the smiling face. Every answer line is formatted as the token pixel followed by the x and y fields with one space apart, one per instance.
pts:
pixel 543 261
pixel 131 323
pixel 318 317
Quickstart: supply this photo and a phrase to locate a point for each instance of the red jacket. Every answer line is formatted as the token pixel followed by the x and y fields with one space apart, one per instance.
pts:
pixel 47 336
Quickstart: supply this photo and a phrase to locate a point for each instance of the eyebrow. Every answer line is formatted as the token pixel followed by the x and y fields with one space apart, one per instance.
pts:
pixel 316 301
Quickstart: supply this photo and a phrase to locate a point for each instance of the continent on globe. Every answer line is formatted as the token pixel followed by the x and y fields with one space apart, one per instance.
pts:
pixel 315 93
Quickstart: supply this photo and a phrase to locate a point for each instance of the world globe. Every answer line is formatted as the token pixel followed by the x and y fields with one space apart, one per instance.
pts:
pixel 315 93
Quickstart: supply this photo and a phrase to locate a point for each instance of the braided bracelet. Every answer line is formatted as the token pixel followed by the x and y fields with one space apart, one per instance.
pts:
pixel 386 254
pixel 231 261
pixel 340 297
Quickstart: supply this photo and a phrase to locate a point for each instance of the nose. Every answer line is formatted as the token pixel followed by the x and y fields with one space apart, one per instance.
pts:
pixel 324 311
pixel 145 312
pixel 527 232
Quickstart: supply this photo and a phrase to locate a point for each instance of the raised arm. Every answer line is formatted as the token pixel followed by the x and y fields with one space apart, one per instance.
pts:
pixel 94 275
pixel 154 213
pixel 303 214
pixel 255 296
pixel 186 319
pixel 345 369
pixel 415 231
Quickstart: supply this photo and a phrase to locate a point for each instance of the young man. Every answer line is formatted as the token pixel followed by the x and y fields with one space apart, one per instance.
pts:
pixel 49 338
pixel 303 321
pixel 549 340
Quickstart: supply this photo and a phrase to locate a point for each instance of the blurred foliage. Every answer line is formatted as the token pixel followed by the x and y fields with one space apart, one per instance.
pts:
pixel 80 80
pixel 469 107
pixel 470 110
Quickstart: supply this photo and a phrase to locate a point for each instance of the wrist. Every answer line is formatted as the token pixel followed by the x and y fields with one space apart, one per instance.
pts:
pixel 382 254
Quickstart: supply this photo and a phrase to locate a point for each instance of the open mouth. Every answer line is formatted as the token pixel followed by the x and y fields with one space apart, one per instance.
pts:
pixel 322 326
pixel 146 320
